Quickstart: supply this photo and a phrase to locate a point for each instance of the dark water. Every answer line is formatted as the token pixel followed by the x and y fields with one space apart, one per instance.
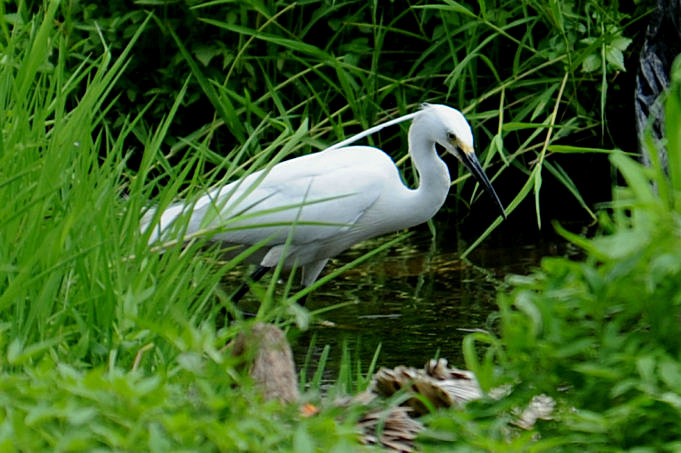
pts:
pixel 419 299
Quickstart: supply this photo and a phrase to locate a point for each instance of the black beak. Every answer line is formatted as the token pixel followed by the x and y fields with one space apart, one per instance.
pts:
pixel 471 162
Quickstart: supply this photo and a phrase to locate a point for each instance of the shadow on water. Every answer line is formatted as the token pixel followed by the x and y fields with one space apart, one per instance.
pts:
pixel 419 299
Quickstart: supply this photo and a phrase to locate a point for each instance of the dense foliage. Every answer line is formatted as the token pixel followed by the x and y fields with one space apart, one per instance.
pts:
pixel 108 105
pixel 602 336
pixel 529 74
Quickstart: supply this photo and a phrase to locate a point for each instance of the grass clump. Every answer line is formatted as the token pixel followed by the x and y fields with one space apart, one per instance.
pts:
pixel 193 405
pixel 601 336
pixel 103 343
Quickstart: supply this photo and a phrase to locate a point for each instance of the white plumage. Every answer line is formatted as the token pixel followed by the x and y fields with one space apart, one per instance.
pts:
pixel 327 201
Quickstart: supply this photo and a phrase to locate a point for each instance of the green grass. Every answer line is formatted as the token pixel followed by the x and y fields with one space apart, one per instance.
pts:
pixel 109 344
pixel 600 336
pixel 106 345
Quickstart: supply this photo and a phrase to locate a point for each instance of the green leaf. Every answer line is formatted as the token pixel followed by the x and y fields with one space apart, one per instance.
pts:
pixel 621 43
pixel 597 370
pixel 670 373
pixel 615 57
pixel 302 442
pixel 527 306
pixel 635 175
pixel 672 398
pixel 673 131
pixel 206 53
pixel 591 63
pixel 571 149
pixel 646 368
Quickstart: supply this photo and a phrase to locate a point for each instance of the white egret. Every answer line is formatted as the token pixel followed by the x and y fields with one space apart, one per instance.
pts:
pixel 311 208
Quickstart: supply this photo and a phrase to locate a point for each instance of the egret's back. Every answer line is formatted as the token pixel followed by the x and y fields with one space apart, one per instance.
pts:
pixel 317 200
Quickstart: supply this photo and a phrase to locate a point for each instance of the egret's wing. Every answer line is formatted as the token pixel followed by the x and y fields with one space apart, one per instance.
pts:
pixel 310 207
pixel 311 198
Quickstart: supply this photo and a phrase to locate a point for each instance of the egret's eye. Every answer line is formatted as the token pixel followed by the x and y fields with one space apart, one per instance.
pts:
pixel 451 137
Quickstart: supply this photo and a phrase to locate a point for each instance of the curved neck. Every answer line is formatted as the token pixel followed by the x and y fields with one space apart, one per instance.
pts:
pixel 433 174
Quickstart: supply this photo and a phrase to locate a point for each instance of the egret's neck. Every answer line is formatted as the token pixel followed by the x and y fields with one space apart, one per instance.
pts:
pixel 434 178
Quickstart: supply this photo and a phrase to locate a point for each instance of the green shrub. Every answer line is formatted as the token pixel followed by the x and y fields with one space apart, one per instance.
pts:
pixel 601 336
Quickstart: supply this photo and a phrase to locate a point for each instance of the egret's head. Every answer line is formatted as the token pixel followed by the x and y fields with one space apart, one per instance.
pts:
pixel 451 131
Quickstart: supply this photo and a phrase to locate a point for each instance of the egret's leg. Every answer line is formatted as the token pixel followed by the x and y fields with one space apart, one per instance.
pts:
pixel 310 273
pixel 245 286
pixel 303 300
pixel 224 315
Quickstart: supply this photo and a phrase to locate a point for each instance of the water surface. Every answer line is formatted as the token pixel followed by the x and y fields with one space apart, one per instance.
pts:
pixel 419 299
